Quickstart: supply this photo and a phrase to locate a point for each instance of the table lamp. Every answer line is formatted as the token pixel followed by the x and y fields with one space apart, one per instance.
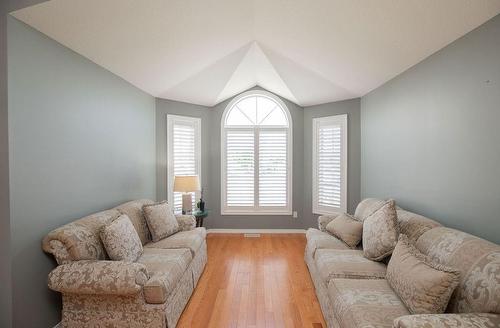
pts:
pixel 186 184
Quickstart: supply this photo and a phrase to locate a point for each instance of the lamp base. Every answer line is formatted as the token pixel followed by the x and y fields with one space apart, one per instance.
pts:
pixel 187 203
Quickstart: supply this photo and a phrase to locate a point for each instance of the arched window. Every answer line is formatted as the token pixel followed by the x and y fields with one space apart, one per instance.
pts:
pixel 256 152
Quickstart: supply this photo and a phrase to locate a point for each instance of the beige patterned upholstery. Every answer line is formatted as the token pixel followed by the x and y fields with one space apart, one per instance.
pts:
pixel 186 222
pixel 367 207
pixel 134 211
pixel 99 277
pixel 318 239
pixel 413 225
pixel 478 261
pixel 380 232
pixel 323 221
pixel 423 285
pixel 334 263
pixel 351 302
pixel 451 320
pixel 347 229
pixel 191 239
pixel 120 239
pixel 101 293
pixel 160 219
pixel 365 303
pixel 165 267
pixel 81 237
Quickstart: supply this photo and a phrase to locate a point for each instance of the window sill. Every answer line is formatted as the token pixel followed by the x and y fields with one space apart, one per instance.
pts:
pixel 240 213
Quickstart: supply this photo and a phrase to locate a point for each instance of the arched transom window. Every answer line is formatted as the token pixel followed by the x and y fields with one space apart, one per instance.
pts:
pixel 256 155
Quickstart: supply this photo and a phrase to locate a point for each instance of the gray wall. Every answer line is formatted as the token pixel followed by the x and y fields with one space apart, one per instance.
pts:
pixel 216 220
pixel 5 277
pixel 81 140
pixel 431 140
pixel 164 107
pixel 352 109
pixel 302 158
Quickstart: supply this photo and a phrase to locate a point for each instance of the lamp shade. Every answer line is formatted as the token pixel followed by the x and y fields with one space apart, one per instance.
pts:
pixel 186 183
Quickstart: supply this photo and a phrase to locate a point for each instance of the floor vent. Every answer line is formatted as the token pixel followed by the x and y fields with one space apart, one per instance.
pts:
pixel 251 235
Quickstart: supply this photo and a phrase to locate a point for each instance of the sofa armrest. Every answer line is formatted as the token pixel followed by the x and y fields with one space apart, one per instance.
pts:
pixel 448 320
pixel 99 277
pixel 186 222
pixel 323 220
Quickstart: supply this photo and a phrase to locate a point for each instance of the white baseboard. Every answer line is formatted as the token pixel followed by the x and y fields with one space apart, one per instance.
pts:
pixel 58 325
pixel 256 231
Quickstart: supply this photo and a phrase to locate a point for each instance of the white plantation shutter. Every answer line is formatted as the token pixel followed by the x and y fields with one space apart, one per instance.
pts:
pixel 183 153
pixel 329 164
pixel 273 169
pixel 240 166
pixel 256 156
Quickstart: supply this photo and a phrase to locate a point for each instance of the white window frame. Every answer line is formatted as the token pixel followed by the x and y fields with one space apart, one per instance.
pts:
pixel 342 121
pixel 256 210
pixel 171 120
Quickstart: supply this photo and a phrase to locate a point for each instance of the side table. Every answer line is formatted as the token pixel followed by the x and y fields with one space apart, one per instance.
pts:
pixel 200 215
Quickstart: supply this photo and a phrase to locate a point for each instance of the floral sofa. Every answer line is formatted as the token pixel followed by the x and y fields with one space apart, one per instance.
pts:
pixel 151 292
pixel 353 291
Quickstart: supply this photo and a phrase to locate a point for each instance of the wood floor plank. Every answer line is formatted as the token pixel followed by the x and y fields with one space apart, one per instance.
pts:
pixel 254 283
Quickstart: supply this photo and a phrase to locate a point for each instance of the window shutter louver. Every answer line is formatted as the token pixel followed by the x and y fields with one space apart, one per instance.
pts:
pixel 273 168
pixel 240 182
pixel 184 133
pixel 329 164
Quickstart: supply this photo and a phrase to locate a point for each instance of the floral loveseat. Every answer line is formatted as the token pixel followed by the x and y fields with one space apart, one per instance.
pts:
pixel 151 292
pixel 353 291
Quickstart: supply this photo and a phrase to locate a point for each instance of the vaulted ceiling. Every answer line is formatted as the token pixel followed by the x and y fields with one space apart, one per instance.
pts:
pixel 307 51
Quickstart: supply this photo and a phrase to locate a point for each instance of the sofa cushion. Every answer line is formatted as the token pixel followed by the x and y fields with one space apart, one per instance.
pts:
pixel 121 241
pixel 165 268
pixel 477 260
pixel 380 232
pixel 161 220
pixel 448 320
pixel 423 285
pixel 351 264
pixel 318 239
pixel 347 229
pixel 191 239
pixel 134 211
pixel 364 303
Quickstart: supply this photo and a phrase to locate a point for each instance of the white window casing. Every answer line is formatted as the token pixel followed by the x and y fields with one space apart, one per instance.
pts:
pixel 183 154
pixel 329 164
pixel 256 156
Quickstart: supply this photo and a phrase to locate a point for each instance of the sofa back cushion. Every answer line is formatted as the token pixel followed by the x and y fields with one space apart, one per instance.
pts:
pixel 411 224
pixel 414 225
pixel 134 211
pixel 478 262
pixel 80 238
pixel 367 207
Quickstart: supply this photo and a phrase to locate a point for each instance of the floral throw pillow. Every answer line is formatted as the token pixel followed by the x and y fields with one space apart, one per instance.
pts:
pixel 161 220
pixel 380 232
pixel 121 241
pixel 346 228
pixel 423 285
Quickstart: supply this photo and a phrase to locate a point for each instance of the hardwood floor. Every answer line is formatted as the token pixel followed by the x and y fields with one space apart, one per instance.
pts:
pixel 254 282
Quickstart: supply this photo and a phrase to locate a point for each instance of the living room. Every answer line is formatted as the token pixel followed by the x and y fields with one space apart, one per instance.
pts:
pixel 246 149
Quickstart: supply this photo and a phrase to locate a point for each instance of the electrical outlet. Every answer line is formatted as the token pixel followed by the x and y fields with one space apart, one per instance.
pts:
pixel 295 215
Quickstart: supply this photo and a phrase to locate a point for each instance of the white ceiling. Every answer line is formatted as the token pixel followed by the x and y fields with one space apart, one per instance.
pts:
pixel 308 51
